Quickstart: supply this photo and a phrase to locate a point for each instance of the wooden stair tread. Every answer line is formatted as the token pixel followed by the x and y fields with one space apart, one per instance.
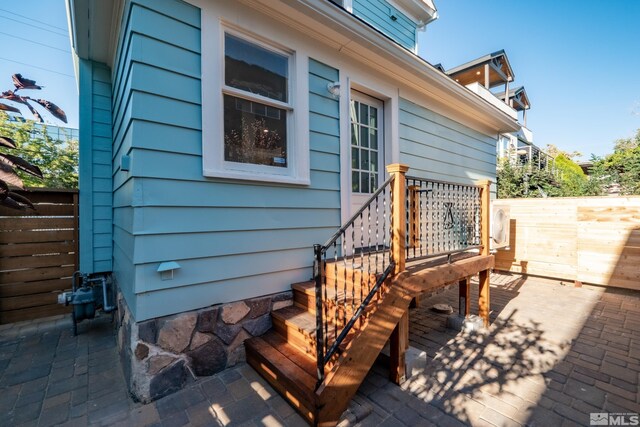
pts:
pixel 297 317
pixel 300 358
pixel 285 375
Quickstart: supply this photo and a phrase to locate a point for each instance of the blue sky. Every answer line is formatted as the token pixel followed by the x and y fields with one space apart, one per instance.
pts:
pixel 35 41
pixel 578 60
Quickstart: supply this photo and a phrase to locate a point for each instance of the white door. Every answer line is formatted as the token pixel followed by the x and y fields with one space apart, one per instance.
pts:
pixel 366 166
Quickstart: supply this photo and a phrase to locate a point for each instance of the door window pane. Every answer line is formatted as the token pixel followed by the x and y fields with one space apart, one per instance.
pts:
pixel 364 147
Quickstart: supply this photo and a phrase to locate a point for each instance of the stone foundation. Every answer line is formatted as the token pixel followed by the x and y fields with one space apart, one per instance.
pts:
pixel 160 356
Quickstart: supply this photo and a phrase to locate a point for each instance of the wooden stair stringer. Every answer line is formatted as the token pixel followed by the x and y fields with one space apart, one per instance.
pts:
pixel 340 385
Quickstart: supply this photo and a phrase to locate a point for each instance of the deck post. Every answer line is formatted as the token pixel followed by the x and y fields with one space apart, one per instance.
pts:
pixel 484 301
pixel 399 215
pixel 464 297
pixel 399 341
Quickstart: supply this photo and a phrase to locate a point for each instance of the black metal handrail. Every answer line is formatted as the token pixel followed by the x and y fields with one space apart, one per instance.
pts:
pixel 358 252
pixel 356 215
pixel 443 218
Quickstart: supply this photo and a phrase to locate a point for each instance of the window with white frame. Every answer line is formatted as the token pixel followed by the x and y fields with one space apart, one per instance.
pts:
pixel 257 106
pixel 255 122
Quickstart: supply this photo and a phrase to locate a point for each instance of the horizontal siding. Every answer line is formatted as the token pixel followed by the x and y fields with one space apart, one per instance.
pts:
pixel 122 181
pixel 439 148
pixel 378 14
pixel 95 168
pixel 233 239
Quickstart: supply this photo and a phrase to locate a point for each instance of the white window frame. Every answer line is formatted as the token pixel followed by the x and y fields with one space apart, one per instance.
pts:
pixel 214 88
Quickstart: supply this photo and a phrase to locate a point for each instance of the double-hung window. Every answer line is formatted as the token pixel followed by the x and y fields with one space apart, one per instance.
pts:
pixel 258 137
pixel 256 103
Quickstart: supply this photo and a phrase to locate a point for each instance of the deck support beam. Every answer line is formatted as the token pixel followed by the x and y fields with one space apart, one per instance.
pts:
pixel 399 341
pixel 484 300
pixel 464 297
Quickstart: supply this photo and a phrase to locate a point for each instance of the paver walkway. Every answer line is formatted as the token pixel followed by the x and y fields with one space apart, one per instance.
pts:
pixel 553 354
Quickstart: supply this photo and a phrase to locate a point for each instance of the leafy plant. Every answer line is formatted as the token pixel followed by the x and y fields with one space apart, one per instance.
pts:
pixel 10 164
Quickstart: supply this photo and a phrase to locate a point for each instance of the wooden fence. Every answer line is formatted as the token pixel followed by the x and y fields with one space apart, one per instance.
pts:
pixel 38 254
pixel 590 240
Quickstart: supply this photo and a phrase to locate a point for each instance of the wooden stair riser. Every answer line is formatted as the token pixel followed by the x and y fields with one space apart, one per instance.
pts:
pixel 305 341
pixel 274 363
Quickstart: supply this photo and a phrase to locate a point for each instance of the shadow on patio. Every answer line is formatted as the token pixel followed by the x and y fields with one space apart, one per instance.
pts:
pixel 542 362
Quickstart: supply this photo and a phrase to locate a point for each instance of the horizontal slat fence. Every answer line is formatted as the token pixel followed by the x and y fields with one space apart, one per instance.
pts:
pixel 591 239
pixel 38 254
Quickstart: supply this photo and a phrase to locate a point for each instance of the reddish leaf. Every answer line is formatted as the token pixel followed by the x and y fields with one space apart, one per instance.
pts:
pixel 12 204
pixel 53 109
pixel 4 190
pixel 23 83
pixel 34 112
pixel 9 176
pixel 21 164
pixel 22 200
pixel 5 141
pixel 5 107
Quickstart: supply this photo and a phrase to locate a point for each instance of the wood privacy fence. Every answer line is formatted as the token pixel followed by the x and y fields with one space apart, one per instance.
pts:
pixel 38 254
pixel 591 239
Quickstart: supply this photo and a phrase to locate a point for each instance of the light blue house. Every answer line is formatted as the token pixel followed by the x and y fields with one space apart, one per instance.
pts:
pixel 220 140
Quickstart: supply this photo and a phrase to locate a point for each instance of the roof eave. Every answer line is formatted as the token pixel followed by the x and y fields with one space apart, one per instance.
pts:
pixel 92 26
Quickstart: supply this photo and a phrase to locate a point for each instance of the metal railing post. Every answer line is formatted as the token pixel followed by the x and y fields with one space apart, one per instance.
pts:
pixel 319 310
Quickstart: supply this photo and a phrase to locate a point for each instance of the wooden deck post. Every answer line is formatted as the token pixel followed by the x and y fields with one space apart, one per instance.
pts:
pixel 464 297
pixel 484 301
pixel 399 341
pixel 399 215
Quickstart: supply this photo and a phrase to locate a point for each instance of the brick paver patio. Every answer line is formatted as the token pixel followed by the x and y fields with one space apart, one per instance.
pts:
pixel 553 354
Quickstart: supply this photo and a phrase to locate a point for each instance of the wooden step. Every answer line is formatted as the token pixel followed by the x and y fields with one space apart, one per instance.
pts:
pixel 298 327
pixel 287 369
pixel 304 296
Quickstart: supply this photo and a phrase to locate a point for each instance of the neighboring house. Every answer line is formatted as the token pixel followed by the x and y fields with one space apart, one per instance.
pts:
pixel 221 140
pixel 490 77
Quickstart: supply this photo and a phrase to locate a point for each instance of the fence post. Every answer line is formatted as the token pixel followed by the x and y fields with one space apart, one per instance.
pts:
pixel 484 301
pixel 76 231
pixel 399 214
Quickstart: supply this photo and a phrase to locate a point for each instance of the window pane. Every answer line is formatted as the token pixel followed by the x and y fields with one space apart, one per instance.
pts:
pixel 355 182
pixel 354 134
pixel 355 158
pixel 355 111
pixel 373 117
pixel 363 114
pixel 255 69
pixel 254 133
pixel 364 136
pixel 364 182
pixel 374 161
pixel 364 156
pixel 373 138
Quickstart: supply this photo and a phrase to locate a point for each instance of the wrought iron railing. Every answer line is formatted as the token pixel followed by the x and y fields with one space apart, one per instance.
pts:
pixel 350 269
pixel 443 218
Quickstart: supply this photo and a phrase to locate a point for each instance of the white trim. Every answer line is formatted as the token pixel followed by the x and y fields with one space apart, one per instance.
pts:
pixel 213 29
pixel 348 4
pixel 116 24
pixel 355 79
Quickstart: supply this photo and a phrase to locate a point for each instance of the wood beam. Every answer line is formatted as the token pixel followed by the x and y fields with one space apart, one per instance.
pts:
pixel 399 343
pixel 414 216
pixel 464 297
pixel 399 213
pixel 484 302
pixel 420 281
